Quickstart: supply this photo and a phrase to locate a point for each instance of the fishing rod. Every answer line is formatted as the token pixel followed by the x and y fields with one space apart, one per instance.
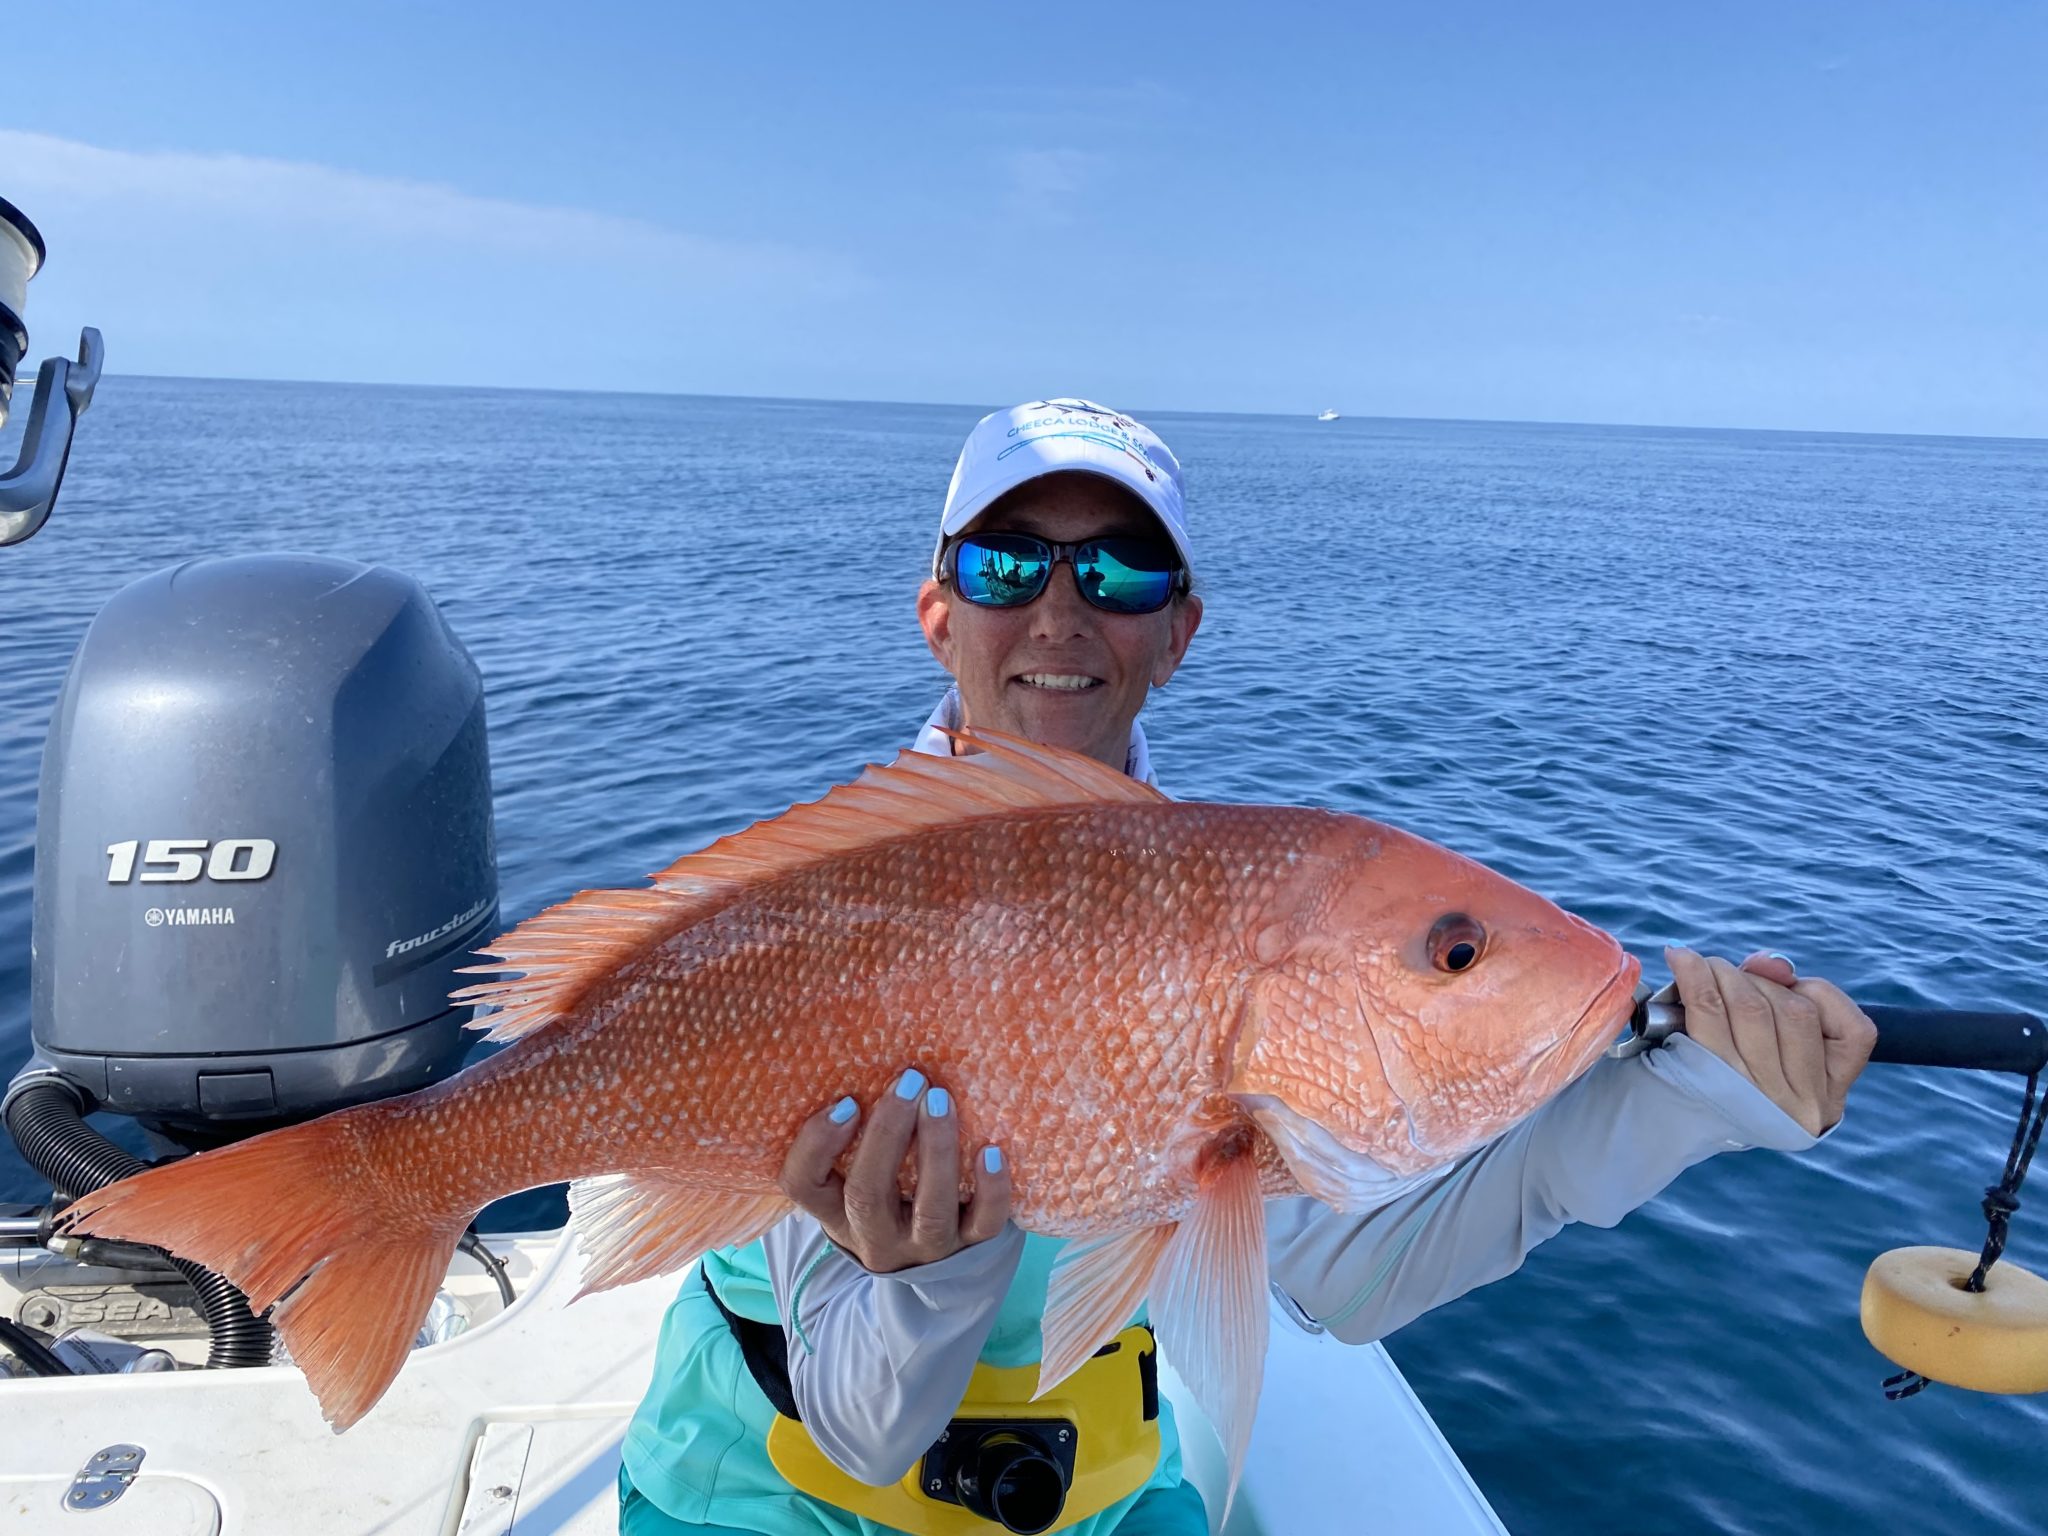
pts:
pixel 1906 1037
pixel 63 388
pixel 1941 1314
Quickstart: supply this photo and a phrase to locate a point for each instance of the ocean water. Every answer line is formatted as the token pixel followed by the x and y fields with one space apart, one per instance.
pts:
pixel 1732 689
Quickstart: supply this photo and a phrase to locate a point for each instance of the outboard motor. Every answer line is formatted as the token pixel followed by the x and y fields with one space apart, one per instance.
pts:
pixel 264 845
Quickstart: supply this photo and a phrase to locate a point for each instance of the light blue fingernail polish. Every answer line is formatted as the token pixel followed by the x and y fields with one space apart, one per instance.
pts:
pixel 844 1111
pixel 910 1084
pixel 937 1102
pixel 992 1159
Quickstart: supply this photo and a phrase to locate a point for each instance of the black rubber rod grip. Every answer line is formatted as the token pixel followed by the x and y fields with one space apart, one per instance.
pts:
pixel 1939 1037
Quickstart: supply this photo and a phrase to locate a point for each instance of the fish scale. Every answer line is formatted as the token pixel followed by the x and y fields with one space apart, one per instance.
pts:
pixel 1070 1071
pixel 1094 1058
pixel 1162 1012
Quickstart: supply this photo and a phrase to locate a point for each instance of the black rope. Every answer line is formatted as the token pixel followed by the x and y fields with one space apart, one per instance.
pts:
pixel 2003 1198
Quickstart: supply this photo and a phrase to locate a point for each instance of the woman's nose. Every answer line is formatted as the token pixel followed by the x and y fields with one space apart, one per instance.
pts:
pixel 1061 611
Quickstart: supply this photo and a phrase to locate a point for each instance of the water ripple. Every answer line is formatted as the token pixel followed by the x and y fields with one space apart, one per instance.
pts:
pixel 1730 689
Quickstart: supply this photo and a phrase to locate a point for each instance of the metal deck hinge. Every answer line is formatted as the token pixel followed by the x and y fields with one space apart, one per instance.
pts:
pixel 103 1479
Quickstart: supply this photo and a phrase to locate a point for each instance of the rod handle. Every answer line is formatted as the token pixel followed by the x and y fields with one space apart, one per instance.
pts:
pixel 1942 1037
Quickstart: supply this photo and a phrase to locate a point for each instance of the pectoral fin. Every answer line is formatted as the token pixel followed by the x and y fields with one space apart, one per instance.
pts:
pixel 1209 1303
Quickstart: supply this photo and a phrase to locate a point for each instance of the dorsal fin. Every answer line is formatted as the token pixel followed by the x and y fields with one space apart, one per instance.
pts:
pixel 564 950
pixel 914 793
pixel 558 953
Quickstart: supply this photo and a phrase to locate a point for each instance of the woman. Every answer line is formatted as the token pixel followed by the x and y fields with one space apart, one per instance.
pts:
pixel 1061 593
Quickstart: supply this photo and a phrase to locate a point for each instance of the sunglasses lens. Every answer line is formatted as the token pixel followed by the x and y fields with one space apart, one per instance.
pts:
pixel 1126 575
pixel 1000 570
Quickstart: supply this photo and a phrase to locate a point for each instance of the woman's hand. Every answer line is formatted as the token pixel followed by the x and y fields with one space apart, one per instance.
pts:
pixel 864 1212
pixel 1799 1040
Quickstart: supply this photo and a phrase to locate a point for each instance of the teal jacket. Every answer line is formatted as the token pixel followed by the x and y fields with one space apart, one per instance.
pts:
pixel 697 1447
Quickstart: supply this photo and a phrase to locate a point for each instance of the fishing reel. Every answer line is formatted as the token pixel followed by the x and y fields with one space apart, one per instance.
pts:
pixel 63 388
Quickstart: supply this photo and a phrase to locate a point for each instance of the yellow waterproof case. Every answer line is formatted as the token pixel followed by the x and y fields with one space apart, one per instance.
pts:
pixel 1005 1462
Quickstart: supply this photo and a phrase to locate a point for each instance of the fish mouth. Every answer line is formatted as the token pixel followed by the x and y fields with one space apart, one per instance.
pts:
pixel 1607 1014
pixel 1596 1027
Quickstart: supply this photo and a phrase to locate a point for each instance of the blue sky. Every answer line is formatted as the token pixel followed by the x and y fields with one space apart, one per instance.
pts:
pixel 1823 215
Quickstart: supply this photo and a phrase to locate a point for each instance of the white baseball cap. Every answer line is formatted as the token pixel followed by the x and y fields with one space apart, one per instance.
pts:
pixel 1044 437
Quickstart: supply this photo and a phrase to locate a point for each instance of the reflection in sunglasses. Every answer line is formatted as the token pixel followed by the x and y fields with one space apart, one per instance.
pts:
pixel 1003 575
pixel 1117 575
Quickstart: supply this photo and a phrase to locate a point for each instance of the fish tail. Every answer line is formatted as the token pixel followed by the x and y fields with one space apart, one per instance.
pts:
pixel 294 1218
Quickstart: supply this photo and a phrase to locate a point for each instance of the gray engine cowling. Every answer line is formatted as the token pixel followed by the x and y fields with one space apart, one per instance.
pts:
pixel 264 843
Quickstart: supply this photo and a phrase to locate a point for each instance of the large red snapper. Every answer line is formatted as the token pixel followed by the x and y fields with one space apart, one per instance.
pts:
pixel 1163 1012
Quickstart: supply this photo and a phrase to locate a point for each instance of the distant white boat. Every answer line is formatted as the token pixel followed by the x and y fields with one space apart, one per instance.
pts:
pixel 1327 416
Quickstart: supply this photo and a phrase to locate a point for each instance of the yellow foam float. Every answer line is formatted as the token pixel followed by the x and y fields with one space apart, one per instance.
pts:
pixel 1916 1312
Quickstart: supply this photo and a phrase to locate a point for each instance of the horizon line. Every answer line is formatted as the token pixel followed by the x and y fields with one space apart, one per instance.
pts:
pixel 677 394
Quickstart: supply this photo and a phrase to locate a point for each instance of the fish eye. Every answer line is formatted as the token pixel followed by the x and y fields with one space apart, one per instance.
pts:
pixel 1456 942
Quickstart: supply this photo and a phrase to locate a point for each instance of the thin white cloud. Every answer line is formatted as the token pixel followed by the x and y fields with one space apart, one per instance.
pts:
pixel 179 195
pixel 1071 111
pixel 242 266
pixel 1046 184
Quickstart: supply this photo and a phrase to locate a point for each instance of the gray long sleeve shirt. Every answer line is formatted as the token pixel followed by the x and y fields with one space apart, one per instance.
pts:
pixel 878 1363
pixel 881 1361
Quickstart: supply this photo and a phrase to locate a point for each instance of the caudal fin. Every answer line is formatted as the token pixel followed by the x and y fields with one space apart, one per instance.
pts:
pixel 290 1218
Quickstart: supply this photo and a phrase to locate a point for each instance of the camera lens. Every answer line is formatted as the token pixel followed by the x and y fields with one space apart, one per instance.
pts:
pixel 1009 1479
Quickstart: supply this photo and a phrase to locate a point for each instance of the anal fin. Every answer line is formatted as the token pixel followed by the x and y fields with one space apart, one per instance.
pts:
pixel 634 1226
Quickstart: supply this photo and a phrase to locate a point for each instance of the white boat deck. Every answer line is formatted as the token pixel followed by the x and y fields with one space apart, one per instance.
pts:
pixel 514 1428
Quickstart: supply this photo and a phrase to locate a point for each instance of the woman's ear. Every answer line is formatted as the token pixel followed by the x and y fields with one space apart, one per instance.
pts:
pixel 1184 618
pixel 935 615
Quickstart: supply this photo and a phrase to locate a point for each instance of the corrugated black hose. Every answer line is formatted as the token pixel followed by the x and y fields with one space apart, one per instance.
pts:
pixel 31 1351
pixel 48 1125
